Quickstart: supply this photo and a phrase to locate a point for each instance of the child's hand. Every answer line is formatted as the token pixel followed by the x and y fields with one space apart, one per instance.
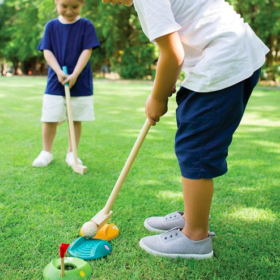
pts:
pixel 61 76
pixel 71 79
pixel 155 109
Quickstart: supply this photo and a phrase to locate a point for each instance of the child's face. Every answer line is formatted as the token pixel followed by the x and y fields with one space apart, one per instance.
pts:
pixel 125 2
pixel 69 9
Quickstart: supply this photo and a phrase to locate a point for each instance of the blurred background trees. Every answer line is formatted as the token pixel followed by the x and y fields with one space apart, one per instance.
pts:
pixel 125 49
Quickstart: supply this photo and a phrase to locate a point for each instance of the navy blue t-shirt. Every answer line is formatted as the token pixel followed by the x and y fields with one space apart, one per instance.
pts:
pixel 66 42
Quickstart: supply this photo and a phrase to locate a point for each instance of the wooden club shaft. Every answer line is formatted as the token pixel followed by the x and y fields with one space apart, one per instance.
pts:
pixel 127 166
pixel 71 124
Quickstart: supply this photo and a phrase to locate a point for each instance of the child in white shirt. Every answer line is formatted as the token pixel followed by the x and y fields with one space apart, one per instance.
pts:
pixel 221 57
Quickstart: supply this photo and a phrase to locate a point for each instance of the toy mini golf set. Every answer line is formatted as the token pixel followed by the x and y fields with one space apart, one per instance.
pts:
pixel 95 234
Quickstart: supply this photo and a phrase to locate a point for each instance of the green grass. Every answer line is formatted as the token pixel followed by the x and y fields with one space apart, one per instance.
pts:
pixel 41 208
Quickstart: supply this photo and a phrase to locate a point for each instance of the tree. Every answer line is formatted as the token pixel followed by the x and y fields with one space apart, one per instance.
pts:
pixel 264 17
pixel 123 44
pixel 21 29
pixel 122 41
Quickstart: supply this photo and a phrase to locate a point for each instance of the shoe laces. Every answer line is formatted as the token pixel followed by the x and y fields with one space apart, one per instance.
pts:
pixel 170 233
pixel 170 236
pixel 170 217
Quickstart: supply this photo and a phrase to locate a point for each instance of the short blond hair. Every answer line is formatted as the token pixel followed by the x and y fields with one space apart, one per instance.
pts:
pixel 81 1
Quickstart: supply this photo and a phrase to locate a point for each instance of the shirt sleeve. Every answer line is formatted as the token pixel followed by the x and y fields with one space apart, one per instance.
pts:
pixel 158 17
pixel 46 43
pixel 90 40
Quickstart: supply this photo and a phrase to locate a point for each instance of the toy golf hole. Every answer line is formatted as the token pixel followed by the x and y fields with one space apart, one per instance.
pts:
pixel 68 267
pixel 74 268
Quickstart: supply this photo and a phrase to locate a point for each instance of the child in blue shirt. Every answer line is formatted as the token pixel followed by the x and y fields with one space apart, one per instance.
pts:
pixel 68 41
pixel 221 57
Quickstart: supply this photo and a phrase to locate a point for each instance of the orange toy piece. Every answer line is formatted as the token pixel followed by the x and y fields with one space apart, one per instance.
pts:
pixel 107 232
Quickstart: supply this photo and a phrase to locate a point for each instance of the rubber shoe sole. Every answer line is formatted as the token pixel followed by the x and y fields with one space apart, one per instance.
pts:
pixel 174 244
pixel 174 256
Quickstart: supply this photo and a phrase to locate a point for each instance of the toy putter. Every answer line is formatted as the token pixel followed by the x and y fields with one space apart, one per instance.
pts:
pixel 89 229
pixel 75 166
pixel 67 268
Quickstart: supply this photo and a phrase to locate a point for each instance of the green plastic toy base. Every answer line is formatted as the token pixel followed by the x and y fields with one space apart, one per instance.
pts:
pixel 75 269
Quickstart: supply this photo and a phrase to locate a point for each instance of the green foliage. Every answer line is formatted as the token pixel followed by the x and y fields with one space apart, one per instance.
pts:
pixel 22 27
pixel 5 14
pixel 136 62
pixel 123 45
pixel 22 31
pixel 264 18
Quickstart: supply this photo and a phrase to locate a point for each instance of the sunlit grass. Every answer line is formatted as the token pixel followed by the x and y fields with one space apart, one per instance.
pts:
pixel 170 195
pixel 253 214
pixel 275 147
pixel 256 120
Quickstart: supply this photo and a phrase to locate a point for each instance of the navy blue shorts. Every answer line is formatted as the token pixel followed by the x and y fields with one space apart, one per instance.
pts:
pixel 206 123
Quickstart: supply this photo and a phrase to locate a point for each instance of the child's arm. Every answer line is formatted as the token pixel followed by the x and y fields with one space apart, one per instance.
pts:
pixel 168 70
pixel 51 60
pixel 82 62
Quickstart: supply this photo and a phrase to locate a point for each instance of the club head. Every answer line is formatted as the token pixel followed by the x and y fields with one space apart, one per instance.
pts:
pixel 81 169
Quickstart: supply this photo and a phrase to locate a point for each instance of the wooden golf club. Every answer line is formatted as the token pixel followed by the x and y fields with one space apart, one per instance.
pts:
pixel 104 215
pixel 75 166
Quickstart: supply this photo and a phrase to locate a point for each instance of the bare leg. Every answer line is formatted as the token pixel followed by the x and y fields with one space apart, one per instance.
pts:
pixel 48 135
pixel 78 133
pixel 197 202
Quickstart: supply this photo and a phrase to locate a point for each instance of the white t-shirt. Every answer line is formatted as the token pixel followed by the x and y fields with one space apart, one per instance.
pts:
pixel 220 49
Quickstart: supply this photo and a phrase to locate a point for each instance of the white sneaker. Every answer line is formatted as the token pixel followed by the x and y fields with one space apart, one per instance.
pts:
pixel 43 160
pixel 70 159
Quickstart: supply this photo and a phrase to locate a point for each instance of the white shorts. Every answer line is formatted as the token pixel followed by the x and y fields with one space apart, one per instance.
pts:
pixel 54 108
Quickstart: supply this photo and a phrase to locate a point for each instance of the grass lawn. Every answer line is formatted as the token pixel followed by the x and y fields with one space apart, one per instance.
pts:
pixel 42 208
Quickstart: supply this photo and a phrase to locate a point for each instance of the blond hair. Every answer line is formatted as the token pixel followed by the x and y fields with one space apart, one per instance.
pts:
pixel 81 1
